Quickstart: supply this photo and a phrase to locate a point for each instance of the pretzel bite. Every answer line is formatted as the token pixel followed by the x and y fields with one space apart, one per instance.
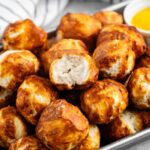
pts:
pixel 5 96
pixel 139 88
pixel 73 71
pixel 136 38
pixel 113 35
pixel 79 26
pixel 108 17
pixel 62 126
pixel 145 115
pixel 64 46
pixel 92 141
pixel 125 124
pixel 24 35
pixel 33 95
pixel 15 65
pixel 68 44
pixel 11 126
pixel 104 101
pixel 27 143
pixel 115 59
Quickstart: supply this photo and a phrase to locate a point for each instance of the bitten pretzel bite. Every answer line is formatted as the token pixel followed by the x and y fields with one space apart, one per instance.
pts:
pixel 115 59
pixel 79 26
pixel 27 143
pixel 33 95
pixel 62 126
pixel 125 124
pixel 108 17
pixel 15 65
pixel 139 88
pixel 5 97
pixel 24 35
pixel 73 71
pixel 11 126
pixel 92 141
pixel 136 38
pixel 104 101
pixel 64 46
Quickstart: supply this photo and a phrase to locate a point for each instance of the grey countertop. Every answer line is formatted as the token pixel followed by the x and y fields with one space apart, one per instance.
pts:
pixel 90 7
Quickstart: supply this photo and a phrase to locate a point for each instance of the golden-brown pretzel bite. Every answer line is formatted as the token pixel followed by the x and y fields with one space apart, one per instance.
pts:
pixel 33 95
pixel 27 143
pixel 145 115
pixel 139 88
pixel 68 44
pixel 64 46
pixel 108 17
pixel 11 126
pixel 79 26
pixel 92 141
pixel 62 126
pixel 5 97
pixel 125 124
pixel 113 35
pixel 104 101
pixel 24 35
pixel 73 71
pixel 15 65
pixel 136 39
pixel 115 59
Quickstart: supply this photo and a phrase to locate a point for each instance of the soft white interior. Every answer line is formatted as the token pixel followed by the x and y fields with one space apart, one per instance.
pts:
pixel 146 96
pixel 94 135
pixel 144 86
pixel 130 63
pixel 4 93
pixel 5 80
pixel 19 128
pixel 71 70
pixel 114 69
pixel 129 120
pixel 117 100
pixel 42 99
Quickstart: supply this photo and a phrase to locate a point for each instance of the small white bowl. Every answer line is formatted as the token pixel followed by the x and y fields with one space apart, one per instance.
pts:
pixel 131 9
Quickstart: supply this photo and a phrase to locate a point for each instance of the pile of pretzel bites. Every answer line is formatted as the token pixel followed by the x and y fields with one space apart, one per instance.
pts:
pixel 89 83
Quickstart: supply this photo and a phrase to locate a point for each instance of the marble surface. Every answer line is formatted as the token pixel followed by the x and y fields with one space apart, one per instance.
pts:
pixel 90 7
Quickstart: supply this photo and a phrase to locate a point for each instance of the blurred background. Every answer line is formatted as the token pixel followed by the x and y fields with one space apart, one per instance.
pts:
pixel 87 6
pixel 46 13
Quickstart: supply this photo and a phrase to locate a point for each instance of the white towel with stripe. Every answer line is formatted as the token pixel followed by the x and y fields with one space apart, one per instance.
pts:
pixel 42 12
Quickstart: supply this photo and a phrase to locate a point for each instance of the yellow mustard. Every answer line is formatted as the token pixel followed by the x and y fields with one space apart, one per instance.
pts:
pixel 142 19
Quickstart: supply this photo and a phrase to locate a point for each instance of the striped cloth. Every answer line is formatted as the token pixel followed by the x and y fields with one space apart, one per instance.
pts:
pixel 42 12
